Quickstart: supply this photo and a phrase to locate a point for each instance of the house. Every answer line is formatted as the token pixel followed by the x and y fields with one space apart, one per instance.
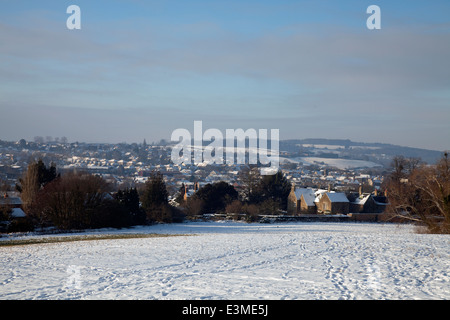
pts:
pixel 11 199
pixel 12 202
pixel 325 201
pixel 367 203
pixel 362 203
pixel 332 203
pixel 301 201
pixel 188 192
pixel 381 202
pixel 17 213
pixel 307 205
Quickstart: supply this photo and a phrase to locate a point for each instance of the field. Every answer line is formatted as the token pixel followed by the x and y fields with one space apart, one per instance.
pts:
pixel 231 260
pixel 338 163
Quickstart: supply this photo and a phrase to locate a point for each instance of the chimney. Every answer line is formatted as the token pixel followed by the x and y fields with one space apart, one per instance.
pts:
pixel 360 189
pixel 185 193
pixel 329 187
pixel 293 187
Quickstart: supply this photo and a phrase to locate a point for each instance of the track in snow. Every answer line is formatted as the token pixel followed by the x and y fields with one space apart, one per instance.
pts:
pixel 236 261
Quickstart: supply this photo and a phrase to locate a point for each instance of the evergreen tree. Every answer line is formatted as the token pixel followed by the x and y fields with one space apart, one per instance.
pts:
pixel 155 199
pixel 180 194
pixel 129 198
pixel 216 196
pixel 274 187
pixel 45 175
pixel 155 192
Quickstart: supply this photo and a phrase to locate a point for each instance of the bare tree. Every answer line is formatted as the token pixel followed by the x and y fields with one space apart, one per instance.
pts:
pixel 29 186
pixel 413 163
pixel 250 178
pixel 194 206
pixel 402 166
pixel 5 209
pixel 39 139
pixel 69 202
pixel 422 194
pixel 234 207
pixel 36 177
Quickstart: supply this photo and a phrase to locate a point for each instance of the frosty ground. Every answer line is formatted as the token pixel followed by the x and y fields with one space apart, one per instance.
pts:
pixel 233 260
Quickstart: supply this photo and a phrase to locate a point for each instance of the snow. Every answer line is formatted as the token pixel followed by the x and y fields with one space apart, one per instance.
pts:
pixel 309 198
pixel 362 199
pixel 233 260
pixel 308 195
pixel 305 191
pixel 337 197
pixel 18 213
pixel 332 162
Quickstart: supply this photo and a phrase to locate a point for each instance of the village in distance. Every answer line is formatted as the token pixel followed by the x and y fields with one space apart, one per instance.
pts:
pixel 319 178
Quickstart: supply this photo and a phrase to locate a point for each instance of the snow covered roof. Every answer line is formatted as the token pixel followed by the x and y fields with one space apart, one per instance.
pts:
pixel 18 213
pixel 300 191
pixel 320 192
pixel 10 200
pixel 309 198
pixel 337 197
pixel 362 200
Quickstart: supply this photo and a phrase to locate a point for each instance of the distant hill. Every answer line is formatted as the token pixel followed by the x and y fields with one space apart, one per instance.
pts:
pixel 377 153
pixel 381 153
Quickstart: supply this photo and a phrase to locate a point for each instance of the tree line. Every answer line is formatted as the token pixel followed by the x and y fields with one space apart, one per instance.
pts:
pixel 77 200
pixel 82 201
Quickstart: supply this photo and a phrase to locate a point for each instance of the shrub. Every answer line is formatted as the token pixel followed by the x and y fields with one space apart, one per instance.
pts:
pixel 20 225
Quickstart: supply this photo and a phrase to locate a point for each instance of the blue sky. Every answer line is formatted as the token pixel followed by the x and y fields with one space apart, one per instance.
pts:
pixel 141 69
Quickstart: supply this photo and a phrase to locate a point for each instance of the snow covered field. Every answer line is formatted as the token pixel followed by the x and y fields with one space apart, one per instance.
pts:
pixel 232 260
pixel 333 162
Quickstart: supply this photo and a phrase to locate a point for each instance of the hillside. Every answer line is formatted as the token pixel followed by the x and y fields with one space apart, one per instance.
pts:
pixel 380 153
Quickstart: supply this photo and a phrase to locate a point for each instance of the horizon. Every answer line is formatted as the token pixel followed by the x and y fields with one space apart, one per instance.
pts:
pixel 206 143
pixel 142 69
